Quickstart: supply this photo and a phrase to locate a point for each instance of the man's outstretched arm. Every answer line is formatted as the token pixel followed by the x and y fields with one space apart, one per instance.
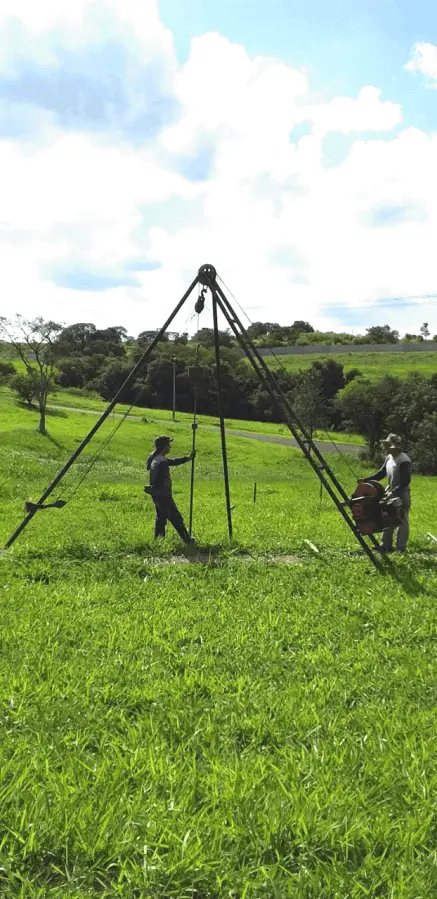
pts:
pixel 180 461
pixel 378 476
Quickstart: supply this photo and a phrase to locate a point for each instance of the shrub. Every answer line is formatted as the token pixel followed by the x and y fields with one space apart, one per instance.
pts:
pixel 7 370
pixel 24 387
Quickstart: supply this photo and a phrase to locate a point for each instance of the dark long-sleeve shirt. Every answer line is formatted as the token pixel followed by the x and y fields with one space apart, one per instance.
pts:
pixel 397 471
pixel 158 467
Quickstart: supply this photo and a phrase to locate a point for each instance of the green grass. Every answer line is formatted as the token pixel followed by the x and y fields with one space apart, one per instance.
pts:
pixel 243 728
pixel 372 365
pixel 18 363
pixel 64 399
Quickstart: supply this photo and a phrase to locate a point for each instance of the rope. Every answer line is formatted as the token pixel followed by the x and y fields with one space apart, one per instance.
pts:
pixel 70 492
pixel 341 454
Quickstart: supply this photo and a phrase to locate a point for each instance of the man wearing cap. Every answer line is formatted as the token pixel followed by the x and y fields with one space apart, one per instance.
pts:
pixel 397 470
pixel 158 467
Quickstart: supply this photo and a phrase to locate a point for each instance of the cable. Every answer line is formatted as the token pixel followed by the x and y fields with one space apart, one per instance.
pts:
pixel 95 457
pixel 284 370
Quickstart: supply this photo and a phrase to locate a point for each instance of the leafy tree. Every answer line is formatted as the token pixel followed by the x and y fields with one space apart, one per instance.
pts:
pixel 302 327
pixel 181 339
pixel 262 405
pixel 75 340
pixel 425 332
pixel 309 402
pixel 331 375
pixel 257 329
pixel 423 447
pixel 159 382
pixel 80 371
pixel 34 342
pixel 84 339
pixel 71 372
pixel 381 334
pixel 206 337
pixel 365 406
pixel 111 378
pixel 146 337
pixel 415 397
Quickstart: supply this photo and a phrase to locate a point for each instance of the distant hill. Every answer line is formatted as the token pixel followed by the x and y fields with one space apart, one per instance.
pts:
pixel 373 364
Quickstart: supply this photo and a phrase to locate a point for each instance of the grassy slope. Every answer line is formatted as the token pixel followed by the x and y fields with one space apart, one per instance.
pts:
pixel 373 365
pixel 236 729
pixel 65 399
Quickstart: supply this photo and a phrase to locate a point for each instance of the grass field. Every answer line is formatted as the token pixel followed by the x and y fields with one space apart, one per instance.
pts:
pixel 64 399
pixel 258 725
pixel 372 365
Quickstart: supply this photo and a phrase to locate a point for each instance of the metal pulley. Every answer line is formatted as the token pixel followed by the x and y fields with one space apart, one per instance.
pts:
pixel 200 303
pixel 207 275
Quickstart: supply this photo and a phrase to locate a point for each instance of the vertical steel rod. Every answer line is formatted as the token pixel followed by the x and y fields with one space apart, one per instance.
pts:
pixel 103 417
pixel 193 461
pixel 174 389
pixel 220 412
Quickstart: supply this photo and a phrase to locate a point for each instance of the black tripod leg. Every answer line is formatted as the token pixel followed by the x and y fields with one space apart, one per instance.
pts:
pixel 220 411
pixel 129 380
pixel 322 470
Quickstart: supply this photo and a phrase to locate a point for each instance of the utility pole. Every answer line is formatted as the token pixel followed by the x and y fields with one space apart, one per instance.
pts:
pixel 174 388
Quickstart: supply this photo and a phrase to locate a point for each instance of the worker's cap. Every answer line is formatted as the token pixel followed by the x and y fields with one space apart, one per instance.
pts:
pixel 162 441
pixel 393 441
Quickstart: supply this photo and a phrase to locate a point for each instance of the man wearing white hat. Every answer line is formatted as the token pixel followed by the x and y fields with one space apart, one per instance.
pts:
pixel 397 470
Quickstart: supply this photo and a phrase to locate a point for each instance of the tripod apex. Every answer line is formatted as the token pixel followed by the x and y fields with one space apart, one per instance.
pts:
pixel 207 275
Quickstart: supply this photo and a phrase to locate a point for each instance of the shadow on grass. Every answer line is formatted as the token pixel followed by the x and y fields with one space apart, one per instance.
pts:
pixel 56 413
pixel 57 443
pixel 410 568
pixel 50 413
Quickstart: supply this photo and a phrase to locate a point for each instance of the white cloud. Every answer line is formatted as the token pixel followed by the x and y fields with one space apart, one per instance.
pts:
pixel 366 113
pixel 424 62
pixel 93 195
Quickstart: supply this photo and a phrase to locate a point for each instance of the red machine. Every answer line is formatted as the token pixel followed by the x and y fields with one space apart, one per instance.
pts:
pixel 373 510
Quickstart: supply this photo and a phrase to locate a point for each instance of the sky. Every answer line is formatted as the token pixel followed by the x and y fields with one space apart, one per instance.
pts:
pixel 290 143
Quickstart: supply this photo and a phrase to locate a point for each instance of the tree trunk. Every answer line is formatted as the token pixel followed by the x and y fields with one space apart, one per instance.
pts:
pixel 42 399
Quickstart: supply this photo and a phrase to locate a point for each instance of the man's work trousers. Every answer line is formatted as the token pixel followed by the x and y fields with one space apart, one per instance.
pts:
pixel 403 529
pixel 167 510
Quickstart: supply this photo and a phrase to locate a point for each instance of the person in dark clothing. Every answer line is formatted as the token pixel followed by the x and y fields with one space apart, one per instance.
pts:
pixel 158 466
pixel 397 469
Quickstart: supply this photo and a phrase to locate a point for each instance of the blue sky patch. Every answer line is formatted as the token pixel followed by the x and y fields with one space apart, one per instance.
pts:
pixel 100 88
pixel 387 215
pixel 198 166
pixel 77 278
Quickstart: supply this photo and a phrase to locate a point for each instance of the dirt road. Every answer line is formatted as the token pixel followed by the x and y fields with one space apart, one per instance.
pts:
pixel 324 446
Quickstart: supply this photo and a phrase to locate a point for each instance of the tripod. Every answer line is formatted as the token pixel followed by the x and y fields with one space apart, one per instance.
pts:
pixel 207 277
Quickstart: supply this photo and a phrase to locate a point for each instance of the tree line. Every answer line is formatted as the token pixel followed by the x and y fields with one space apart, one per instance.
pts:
pixel 86 359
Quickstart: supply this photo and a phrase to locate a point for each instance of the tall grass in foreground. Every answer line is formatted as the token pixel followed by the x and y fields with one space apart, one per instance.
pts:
pixel 240 728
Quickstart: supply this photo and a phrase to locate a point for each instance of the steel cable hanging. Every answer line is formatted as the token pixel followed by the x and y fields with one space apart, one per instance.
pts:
pixel 284 370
